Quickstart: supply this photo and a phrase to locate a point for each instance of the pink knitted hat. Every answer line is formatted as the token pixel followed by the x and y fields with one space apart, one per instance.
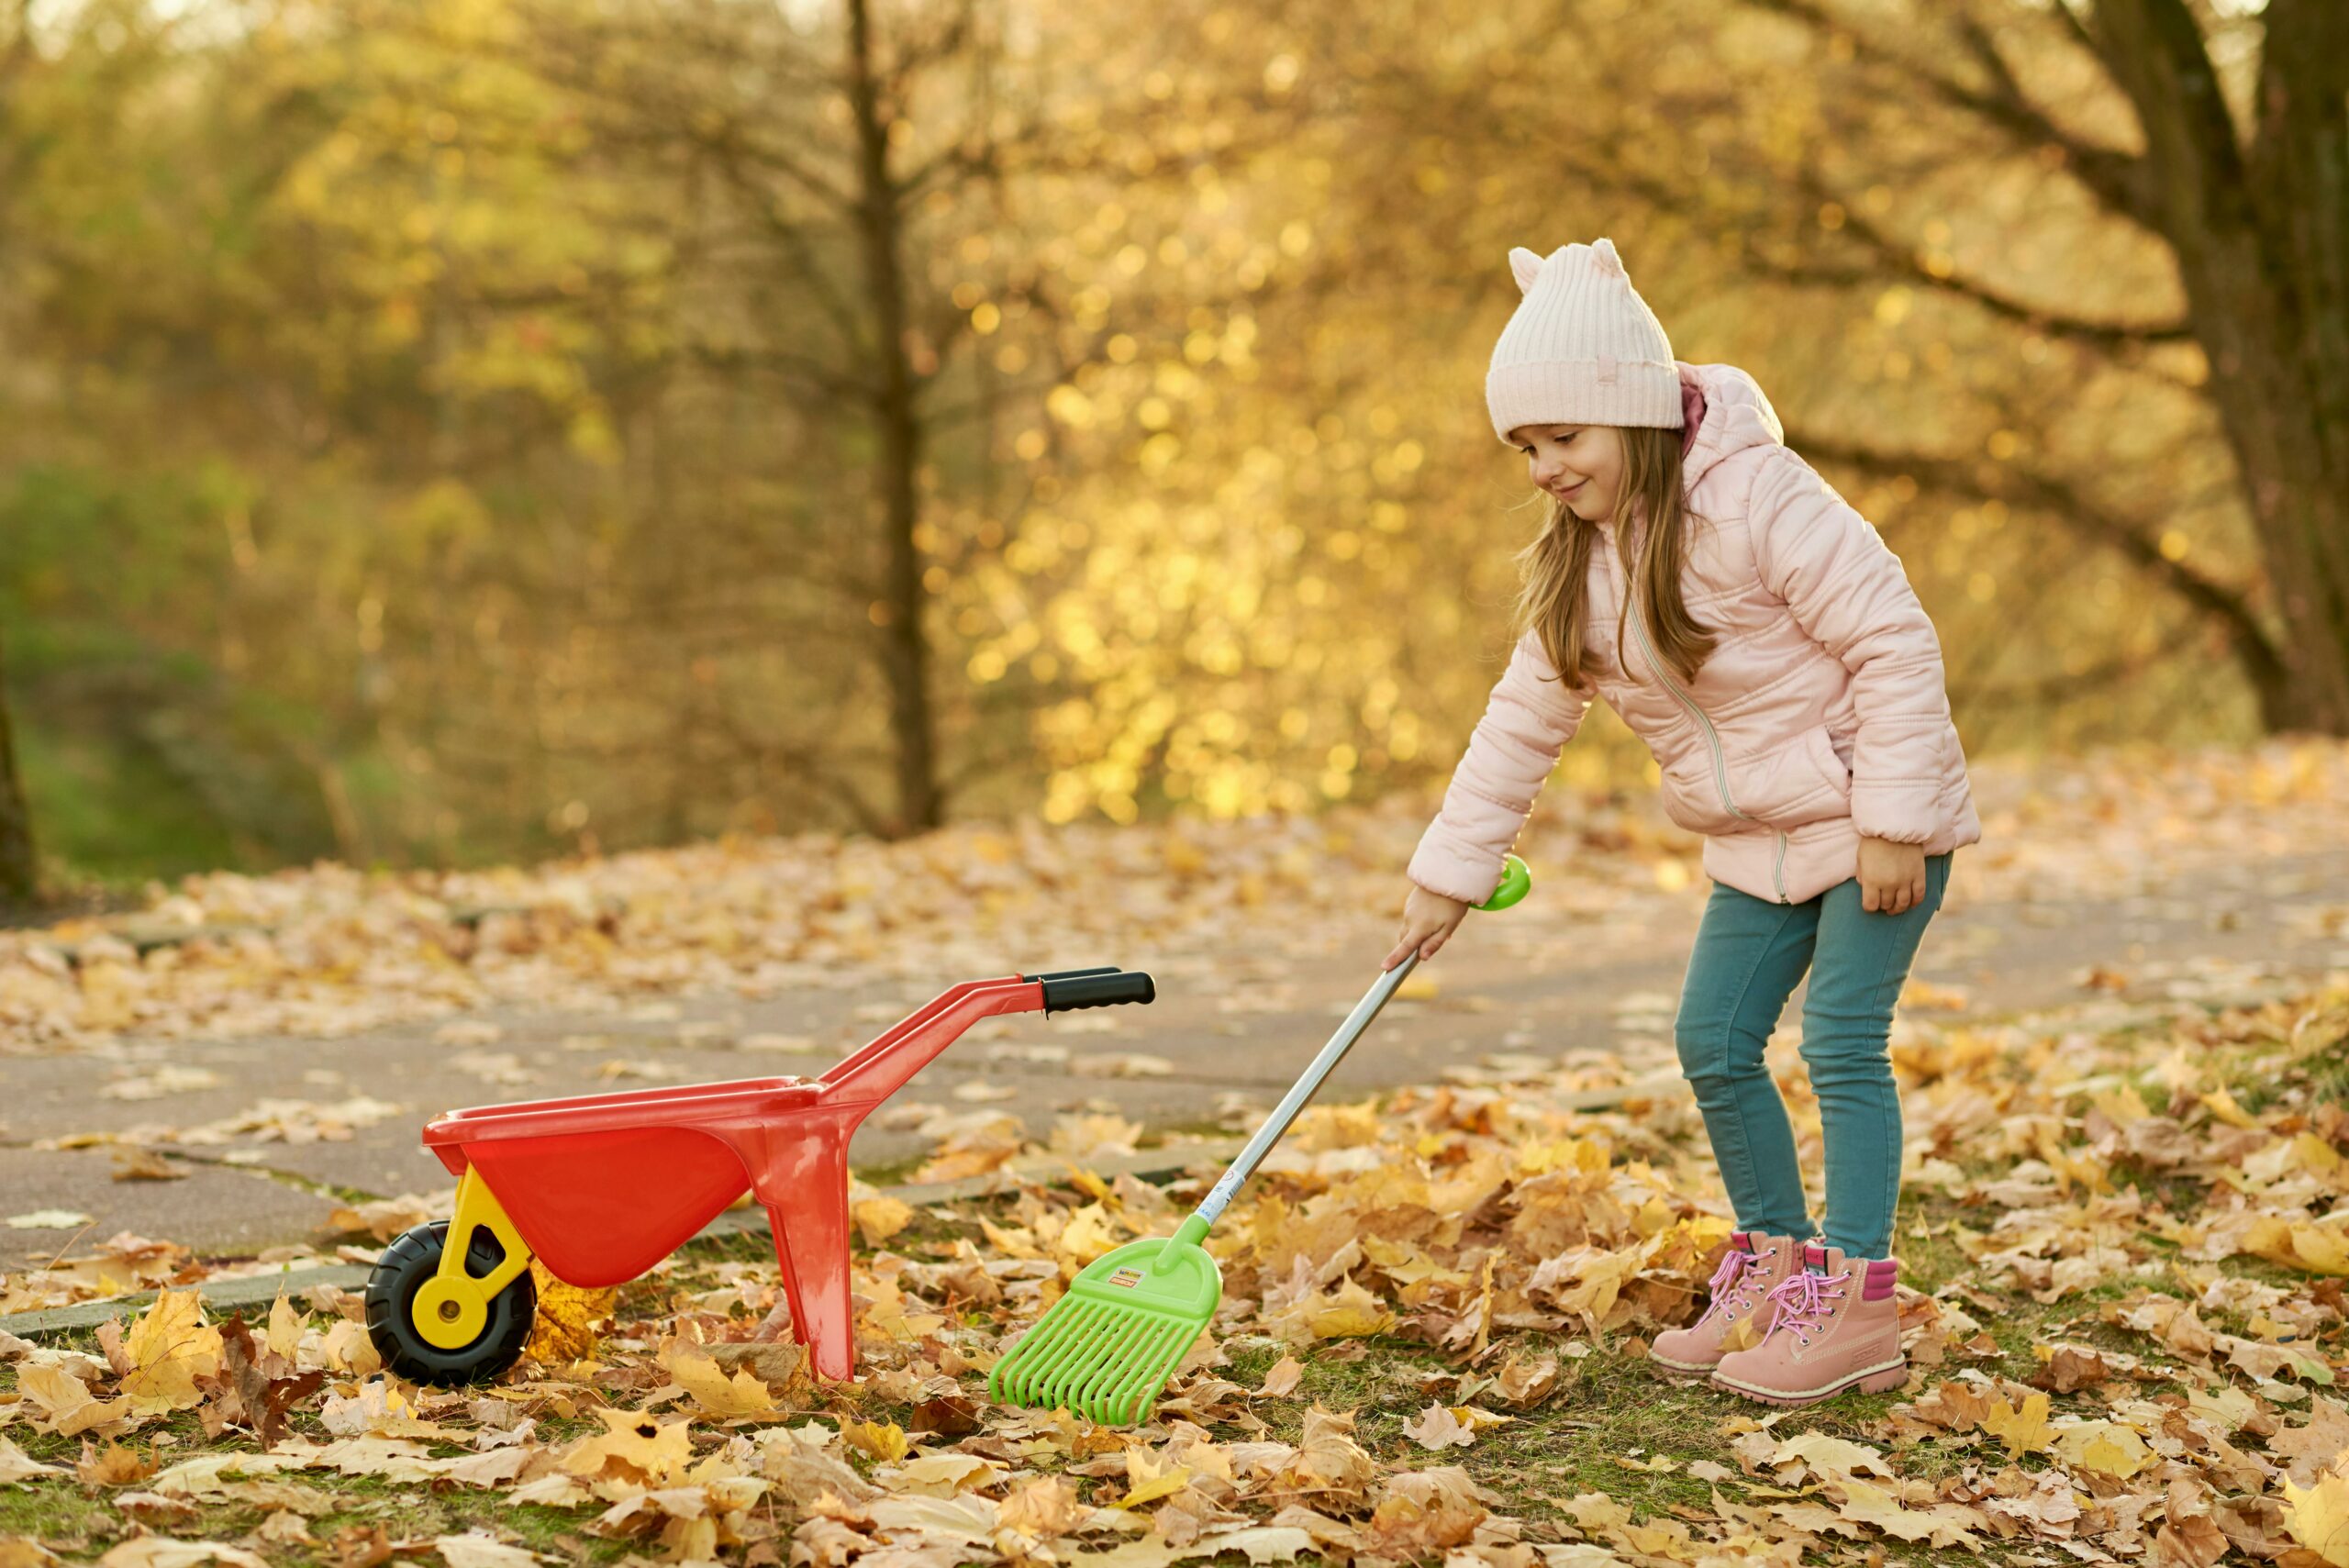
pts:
pixel 1583 348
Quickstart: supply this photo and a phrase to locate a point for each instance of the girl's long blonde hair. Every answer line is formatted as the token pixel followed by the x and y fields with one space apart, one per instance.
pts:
pixel 1555 567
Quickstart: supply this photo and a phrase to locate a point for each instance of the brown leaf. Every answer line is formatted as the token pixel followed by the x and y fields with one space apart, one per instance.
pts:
pixel 949 1416
pixel 2189 1538
pixel 134 1163
pixel 359 1546
pixel 2068 1369
pixel 1952 1405
pixel 262 1399
pixel 2312 1446
pixel 117 1466
pixel 1281 1381
pixel 1426 1513
pixel 1525 1383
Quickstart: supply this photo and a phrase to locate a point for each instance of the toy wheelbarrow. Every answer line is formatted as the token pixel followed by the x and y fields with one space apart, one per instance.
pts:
pixel 600 1187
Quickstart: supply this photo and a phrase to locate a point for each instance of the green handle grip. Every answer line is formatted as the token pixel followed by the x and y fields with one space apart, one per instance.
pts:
pixel 1515 881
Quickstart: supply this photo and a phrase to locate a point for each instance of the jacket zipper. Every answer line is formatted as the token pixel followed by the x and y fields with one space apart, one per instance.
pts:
pixel 1720 770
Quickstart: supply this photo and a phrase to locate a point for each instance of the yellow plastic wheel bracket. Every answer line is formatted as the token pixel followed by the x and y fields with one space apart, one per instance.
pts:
pixel 451 1308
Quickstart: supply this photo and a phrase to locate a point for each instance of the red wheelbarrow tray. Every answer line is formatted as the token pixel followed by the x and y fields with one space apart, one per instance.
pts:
pixel 601 1188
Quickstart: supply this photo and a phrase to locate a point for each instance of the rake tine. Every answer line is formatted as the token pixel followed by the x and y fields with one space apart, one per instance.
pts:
pixel 1169 1353
pixel 1107 1372
pixel 1113 1350
pixel 1072 1349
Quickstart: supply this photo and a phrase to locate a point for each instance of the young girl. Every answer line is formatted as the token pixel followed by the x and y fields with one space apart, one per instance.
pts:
pixel 1756 633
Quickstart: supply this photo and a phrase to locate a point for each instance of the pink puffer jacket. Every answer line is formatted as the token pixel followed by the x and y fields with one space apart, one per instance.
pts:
pixel 1819 716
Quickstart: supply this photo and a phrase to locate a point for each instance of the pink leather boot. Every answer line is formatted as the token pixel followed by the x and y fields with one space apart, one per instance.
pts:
pixel 1753 1264
pixel 1837 1328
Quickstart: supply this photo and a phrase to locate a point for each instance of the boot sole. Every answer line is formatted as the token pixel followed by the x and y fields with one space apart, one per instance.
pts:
pixel 1876 1380
pixel 1682 1372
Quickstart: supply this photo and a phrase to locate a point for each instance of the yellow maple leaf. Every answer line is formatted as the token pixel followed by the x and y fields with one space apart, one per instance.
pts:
pixel 884 1441
pixel 284 1337
pixel 878 1218
pixel 2107 1446
pixel 698 1373
pixel 1440 1427
pixel 2323 1250
pixel 2298 1245
pixel 169 1348
pixel 2023 1431
pixel 1148 1478
pixel 569 1321
pixel 1351 1313
pixel 1086 1236
pixel 66 1402
pixel 2318 1517
pixel 632 1440
pixel 2222 1105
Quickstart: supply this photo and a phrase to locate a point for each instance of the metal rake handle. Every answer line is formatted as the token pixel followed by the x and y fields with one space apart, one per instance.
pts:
pixel 1303 1089
pixel 1513 884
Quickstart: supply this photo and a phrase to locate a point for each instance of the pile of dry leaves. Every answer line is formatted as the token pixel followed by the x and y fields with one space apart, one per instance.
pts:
pixel 2124 1259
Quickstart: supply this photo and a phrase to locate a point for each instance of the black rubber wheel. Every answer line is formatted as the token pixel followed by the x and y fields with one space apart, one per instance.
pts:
pixel 406 1265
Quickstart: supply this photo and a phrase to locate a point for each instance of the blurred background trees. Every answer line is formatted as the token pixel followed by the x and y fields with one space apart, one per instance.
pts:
pixel 463 429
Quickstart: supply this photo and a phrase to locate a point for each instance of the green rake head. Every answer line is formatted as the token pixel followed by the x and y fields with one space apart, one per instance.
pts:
pixel 1106 1348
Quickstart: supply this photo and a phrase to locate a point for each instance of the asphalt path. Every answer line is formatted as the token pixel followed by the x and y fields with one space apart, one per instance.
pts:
pixel 1233 1021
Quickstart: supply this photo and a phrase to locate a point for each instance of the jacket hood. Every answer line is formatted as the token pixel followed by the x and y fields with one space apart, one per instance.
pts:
pixel 1736 417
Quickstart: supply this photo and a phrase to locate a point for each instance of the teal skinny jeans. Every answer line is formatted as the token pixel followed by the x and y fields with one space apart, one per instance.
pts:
pixel 1750 953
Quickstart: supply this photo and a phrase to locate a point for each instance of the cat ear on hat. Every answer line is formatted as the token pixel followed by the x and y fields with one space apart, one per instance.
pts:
pixel 1525 266
pixel 1603 257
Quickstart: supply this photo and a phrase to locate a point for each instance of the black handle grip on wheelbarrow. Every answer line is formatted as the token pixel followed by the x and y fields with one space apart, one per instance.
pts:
pixel 1098 990
pixel 1072 973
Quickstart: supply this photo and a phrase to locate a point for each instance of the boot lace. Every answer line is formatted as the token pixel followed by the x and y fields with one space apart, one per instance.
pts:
pixel 1734 1276
pixel 1805 1301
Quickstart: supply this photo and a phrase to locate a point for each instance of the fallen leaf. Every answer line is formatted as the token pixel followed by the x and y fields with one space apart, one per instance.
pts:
pixel 2023 1431
pixel 2318 1515
pixel 478 1549
pixel 1438 1427
pixel 698 1373
pixel 1282 1379
pixel 162 1552
pixel 879 1219
pixel 133 1164
pixel 1148 1479
pixel 16 1465
pixel 170 1347
pixel 884 1441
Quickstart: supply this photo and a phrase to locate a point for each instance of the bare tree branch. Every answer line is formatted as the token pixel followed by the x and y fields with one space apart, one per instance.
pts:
pixel 2020 486
pixel 2121 181
pixel 1896 260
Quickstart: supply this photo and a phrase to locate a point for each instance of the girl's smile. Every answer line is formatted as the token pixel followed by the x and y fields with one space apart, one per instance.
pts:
pixel 1582 465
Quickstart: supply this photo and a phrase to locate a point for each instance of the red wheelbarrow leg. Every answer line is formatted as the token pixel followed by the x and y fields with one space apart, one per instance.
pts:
pixel 800 1173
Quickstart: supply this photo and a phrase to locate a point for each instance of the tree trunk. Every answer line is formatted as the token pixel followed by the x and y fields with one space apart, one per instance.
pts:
pixel 2262 240
pixel 905 651
pixel 19 866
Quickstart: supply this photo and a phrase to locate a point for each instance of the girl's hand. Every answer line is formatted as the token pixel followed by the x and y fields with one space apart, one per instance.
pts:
pixel 1892 875
pixel 1429 919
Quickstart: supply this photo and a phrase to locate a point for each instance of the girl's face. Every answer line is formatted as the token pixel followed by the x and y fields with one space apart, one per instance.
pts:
pixel 1580 464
